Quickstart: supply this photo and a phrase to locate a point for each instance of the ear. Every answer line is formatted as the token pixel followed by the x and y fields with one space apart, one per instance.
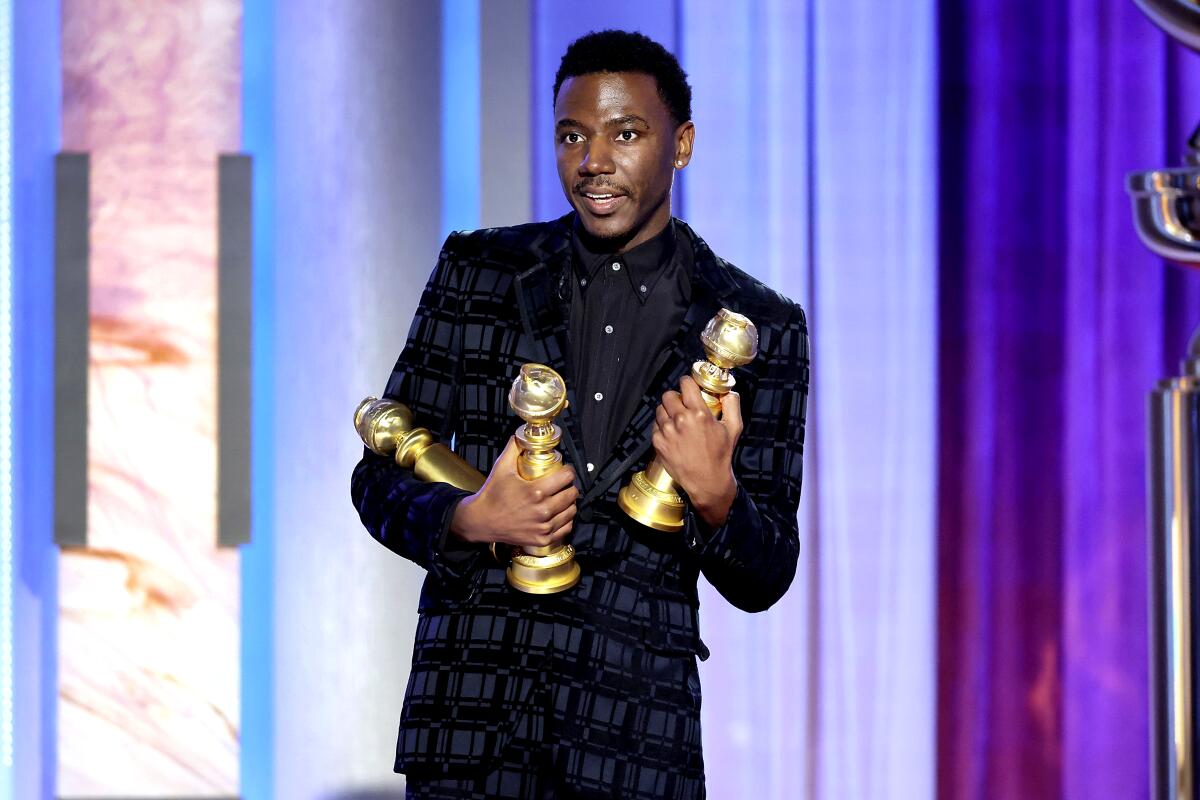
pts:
pixel 685 135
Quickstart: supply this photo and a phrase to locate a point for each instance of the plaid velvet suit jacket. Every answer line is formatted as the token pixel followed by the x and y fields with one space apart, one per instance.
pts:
pixel 620 648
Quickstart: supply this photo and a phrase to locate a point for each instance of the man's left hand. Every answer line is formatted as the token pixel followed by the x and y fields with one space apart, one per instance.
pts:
pixel 697 448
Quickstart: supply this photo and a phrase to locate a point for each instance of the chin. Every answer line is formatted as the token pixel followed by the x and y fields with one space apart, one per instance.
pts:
pixel 615 227
pixel 604 229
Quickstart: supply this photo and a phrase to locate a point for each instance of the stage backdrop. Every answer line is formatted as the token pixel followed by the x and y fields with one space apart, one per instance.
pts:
pixel 938 184
pixel 148 621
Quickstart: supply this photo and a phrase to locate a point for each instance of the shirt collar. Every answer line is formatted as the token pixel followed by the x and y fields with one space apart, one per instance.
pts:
pixel 643 265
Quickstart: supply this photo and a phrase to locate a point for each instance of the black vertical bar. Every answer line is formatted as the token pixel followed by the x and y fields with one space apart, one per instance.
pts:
pixel 70 348
pixel 234 318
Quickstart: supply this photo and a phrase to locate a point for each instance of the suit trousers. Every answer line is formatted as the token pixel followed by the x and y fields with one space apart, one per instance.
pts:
pixel 546 760
pixel 526 772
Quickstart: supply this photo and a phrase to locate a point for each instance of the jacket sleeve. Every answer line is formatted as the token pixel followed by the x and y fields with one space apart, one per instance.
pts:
pixel 751 558
pixel 406 515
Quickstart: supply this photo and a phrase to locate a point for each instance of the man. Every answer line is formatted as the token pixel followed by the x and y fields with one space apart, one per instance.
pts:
pixel 592 692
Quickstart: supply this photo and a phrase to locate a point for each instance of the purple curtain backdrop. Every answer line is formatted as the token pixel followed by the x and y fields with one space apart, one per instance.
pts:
pixel 1054 323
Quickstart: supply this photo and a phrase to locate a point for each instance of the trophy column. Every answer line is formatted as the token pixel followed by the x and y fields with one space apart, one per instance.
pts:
pixel 1166 211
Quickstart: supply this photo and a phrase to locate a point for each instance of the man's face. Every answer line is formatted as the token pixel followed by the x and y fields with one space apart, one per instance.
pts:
pixel 617 149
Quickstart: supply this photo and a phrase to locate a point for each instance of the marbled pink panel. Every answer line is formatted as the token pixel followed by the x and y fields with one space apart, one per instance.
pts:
pixel 148 631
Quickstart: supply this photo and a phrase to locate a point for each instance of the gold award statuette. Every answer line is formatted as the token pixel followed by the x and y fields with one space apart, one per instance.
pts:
pixel 538 395
pixel 386 428
pixel 730 340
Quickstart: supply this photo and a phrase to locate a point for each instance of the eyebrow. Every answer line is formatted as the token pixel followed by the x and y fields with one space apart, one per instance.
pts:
pixel 626 119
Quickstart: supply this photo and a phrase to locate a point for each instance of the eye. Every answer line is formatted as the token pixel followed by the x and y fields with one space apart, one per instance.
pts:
pixel 627 136
pixel 572 138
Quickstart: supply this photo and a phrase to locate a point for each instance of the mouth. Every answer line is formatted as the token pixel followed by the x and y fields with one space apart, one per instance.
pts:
pixel 602 203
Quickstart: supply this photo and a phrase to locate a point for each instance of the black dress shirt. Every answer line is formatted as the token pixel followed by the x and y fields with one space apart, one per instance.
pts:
pixel 625 310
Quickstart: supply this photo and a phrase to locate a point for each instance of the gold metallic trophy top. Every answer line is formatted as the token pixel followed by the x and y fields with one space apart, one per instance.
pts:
pixel 386 428
pixel 538 395
pixel 730 340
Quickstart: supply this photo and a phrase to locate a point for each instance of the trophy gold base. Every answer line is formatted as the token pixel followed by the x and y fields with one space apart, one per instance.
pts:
pixel 544 574
pixel 651 506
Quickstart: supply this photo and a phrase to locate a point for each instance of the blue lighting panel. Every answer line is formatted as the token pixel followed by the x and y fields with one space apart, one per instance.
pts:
pixel 460 115
pixel 258 575
pixel 6 400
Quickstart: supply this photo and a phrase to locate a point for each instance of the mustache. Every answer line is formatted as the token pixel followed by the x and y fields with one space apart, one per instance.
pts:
pixel 595 185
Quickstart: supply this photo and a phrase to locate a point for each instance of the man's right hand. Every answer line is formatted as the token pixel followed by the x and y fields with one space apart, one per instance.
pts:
pixel 511 510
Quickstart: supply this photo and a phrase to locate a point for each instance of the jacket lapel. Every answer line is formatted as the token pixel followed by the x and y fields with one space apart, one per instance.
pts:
pixel 543 298
pixel 711 286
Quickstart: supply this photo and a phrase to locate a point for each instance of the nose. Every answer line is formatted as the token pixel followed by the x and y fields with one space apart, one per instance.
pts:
pixel 596 161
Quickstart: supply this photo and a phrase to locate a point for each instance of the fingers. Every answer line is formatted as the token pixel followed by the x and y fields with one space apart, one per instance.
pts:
pixel 549 534
pixel 554 482
pixel 508 456
pixel 686 407
pixel 690 393
pixel 657 440
pixel 537 512
pixel 557 521
pixel 564 518
pixel 557 502
pixel 672 402
pixel 560 534
pixel 731 413
pixel 506 464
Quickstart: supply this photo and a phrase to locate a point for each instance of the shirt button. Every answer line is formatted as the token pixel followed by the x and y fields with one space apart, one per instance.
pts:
pixel 608 328
pixel 599 396
pixel 590 466
pixel 583 281
pixel 642 288
pixel 616 266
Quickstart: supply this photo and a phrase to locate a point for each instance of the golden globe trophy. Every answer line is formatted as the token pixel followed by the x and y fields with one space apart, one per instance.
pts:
pixel 730 340
pixel 386 428
pixel 538 395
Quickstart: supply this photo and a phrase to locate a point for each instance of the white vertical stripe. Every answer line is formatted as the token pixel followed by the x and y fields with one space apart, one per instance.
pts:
pixel 746 194
pixel 874 338
pixel 858 108
pixel 357 211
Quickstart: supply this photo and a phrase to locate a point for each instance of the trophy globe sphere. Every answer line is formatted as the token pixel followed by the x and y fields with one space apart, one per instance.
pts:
pixel 382 424
pixel 730 339
pixel 538 394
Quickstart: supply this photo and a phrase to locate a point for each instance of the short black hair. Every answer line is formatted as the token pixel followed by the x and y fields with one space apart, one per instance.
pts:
pixel 626 51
